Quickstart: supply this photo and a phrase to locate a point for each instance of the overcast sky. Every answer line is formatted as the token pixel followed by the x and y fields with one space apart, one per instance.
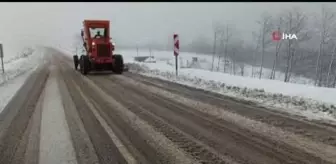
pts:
pixel 131 23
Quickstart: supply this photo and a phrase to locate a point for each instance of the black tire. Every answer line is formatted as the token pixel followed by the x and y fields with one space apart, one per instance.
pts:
pixel 118 65
pixel 76 61
pixel 84 64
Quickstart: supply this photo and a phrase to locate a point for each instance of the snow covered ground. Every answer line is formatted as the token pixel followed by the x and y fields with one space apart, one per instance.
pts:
pixel 298 99
pixel 205 63
pixel 17 68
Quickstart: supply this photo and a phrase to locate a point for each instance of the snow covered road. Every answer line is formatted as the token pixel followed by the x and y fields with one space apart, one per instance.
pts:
pixel 60 116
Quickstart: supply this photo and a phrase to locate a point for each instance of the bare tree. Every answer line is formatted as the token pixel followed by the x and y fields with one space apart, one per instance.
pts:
pixel 331 64
pixel 334 82
pixel 221 45
pixel 242 68
pixel 295 22
pixel 277 48
pixel 224 35
pixel 219 34
pixel 326 23
pixel 227 36
pixel 299 56
pixel 216 31
pixel 235 46
pixel 258 38
pixel 266 28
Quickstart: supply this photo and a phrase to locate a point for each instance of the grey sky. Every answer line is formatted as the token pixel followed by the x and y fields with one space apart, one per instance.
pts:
pixel 131 22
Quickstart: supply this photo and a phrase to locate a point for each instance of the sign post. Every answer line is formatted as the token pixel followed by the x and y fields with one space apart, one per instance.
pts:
pixel 1 56
pixel 176 50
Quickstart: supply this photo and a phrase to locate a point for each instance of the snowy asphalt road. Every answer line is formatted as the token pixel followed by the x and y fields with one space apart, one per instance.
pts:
pixel 60 116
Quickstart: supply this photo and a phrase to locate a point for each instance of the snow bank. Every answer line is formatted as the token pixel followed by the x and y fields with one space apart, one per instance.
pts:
pixel 20 64
pixel 303 100
pixel 16 72
pixel 13 51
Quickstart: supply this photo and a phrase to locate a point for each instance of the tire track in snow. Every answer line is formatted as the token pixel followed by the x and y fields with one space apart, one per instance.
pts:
pixel 55 144
pixel 83 146
pixel 323 151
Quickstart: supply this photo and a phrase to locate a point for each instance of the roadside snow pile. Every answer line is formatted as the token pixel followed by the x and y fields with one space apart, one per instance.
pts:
pixel 27 51
pixel 290 98
pixel 151 59
pixel 145 59
pixel 20 64
pixel 17 71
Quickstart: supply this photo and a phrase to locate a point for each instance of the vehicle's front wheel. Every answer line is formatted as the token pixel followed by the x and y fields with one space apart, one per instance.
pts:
pixel 118 65
pixel 84 64
pixel 76 61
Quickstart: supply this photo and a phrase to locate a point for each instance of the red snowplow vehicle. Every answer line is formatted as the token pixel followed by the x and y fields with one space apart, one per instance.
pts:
pixel 99 49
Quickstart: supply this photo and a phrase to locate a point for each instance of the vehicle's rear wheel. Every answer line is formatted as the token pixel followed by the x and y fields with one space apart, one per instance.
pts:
pixel 118 65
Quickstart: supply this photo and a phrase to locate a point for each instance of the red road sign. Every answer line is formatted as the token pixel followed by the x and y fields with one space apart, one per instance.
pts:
pixel 176 45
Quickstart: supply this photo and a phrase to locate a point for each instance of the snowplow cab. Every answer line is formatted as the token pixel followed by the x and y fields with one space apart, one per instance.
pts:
pixel 99 48
pixel 97 32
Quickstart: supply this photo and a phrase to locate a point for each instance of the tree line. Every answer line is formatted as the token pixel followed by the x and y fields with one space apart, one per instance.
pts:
pixel 312 55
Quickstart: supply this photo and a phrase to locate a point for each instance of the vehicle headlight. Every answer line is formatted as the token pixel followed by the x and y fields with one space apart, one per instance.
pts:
pixel 113 43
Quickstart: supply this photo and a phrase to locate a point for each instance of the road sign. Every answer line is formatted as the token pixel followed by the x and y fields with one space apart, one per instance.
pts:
pixel 176 45
pixel 1 56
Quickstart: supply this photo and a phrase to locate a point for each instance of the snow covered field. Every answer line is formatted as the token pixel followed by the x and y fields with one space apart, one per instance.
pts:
pixel 304 100
pixel 17 69
pixel 205 63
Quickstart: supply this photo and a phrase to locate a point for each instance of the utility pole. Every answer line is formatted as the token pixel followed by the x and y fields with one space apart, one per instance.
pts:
pixel 1 56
